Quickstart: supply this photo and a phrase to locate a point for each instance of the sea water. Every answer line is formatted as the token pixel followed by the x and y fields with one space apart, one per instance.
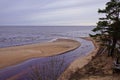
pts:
pixel 21 35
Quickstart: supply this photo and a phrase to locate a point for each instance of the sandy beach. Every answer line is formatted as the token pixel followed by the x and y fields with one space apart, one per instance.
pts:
pixel 14 55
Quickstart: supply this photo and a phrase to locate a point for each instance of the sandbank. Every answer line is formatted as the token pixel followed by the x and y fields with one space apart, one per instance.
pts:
pixel 14 55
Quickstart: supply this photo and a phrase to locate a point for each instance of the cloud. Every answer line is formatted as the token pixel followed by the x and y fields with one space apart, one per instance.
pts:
pixel 49 12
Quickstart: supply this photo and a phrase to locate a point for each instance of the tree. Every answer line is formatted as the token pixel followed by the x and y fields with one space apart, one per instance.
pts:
pixel 108 27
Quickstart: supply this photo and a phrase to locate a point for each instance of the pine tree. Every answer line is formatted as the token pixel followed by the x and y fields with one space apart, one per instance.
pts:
pixel 108 27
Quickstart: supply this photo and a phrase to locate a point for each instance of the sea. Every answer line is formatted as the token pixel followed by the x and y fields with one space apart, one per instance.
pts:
pixel 22 35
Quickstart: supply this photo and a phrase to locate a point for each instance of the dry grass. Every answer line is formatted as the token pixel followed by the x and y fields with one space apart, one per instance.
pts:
pixel 99 68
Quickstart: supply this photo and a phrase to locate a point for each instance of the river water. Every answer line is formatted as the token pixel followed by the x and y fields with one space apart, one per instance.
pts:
pixel 48 68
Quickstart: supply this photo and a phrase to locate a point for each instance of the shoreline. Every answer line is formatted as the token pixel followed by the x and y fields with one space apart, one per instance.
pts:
pixel 80 62
pixel 14 55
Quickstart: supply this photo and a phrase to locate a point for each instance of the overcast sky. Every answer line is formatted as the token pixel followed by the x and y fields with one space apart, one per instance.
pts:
pixel 50 12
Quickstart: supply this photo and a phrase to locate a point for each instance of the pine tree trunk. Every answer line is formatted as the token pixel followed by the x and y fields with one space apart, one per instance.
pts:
pixel 113 46
pixel 109 50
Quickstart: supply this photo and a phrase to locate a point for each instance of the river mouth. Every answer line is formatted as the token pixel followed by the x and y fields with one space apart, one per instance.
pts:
pixel 48 68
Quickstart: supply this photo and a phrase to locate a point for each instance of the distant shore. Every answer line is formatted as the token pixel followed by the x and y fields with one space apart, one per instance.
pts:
pixel 14 55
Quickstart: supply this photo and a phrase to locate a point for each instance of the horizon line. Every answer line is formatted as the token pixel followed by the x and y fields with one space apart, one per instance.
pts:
pixel 48 25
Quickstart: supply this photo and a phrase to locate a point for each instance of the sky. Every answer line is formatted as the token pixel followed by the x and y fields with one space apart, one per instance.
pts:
pixel 50 12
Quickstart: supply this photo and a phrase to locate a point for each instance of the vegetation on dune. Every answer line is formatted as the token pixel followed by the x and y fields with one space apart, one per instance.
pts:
pixel 108 27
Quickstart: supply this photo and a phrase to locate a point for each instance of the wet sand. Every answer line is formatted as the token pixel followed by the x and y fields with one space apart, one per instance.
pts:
pixel 14 55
